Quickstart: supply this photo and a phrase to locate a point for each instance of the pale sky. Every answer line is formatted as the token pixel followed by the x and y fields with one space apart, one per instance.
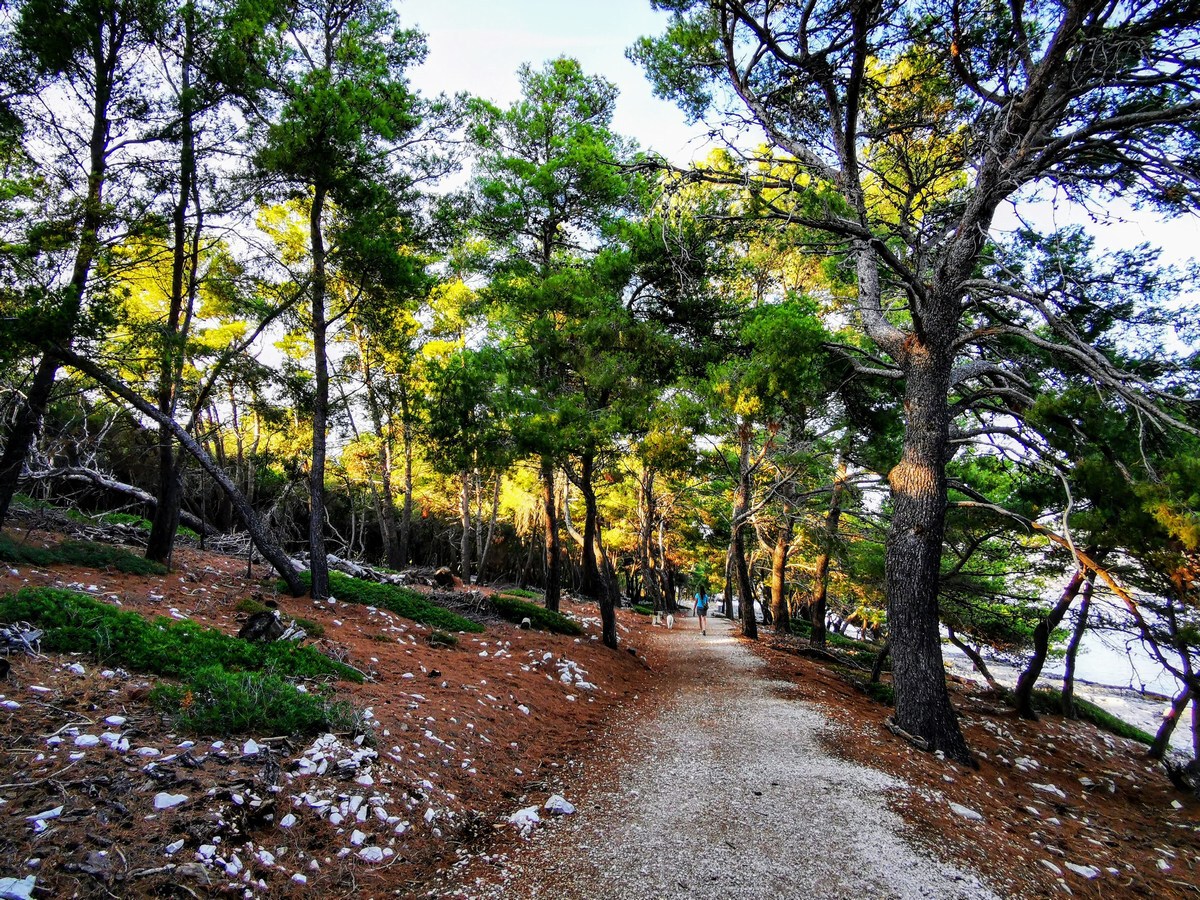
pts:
pixel 477 45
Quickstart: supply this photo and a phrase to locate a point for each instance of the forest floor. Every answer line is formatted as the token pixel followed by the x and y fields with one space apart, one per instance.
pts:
pixel 685 758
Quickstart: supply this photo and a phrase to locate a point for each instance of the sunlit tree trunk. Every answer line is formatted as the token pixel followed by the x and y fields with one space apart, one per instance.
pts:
pixel 550 527
pixel 818 609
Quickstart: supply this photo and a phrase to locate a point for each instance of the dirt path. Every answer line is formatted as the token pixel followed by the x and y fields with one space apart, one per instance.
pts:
pixel 727 792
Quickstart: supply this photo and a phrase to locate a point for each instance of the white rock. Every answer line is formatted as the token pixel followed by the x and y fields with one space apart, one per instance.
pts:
pixel 266 857
pixel 966 812
pixel 206 851
pixel 1051 866
pixel 357 837
pixel 116 721
pixel 163 800
pixel 48 814
pixel 17 888
pixel 76 669
pixel 10 704
pixel 371 854
pixel 1049 789
pixel 250 748
pixel 525 820
pixel 87 740
pixel 558 805
pixel 174 847
pixel 300 879
pixel 1088 872
pixel 287 821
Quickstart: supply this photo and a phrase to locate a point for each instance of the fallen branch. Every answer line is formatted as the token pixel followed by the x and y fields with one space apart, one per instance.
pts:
pixel 919 742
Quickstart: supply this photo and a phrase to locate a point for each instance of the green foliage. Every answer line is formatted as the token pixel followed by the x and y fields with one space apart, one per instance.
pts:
pixel 523 593
pixel 400 600
pixel 79 553
pixel 75 623
pixel 543 619
pixel 217 701
pixel 881 692
pixel 643 610
pixel 442 639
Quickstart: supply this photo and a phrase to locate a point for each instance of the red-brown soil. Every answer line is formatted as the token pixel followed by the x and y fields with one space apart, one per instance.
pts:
pixel 457 752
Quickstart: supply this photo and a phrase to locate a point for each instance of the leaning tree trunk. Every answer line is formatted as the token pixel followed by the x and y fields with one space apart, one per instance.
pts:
pixel 647 513
pixel 550 526
pixel 818 609
pixel 914 553
pixel 1085 605
pixel 261 536
pixel 976 659
pixel 1162 739
pixel 318 561
pixel 1023 695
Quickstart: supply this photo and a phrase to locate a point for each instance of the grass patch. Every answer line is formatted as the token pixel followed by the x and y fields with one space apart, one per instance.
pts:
pixel 75 623
pixel 442 639
pixel 217 701
pixel 643 610
pixel 400 600
pixel 79 553
pixel 543 619
pixel 1049 700
pixel 522 592
pixel 250 606
pixel 880 692
pixel 228 685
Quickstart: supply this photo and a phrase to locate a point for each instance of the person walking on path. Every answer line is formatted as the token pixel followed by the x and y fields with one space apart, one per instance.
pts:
pixel 702 608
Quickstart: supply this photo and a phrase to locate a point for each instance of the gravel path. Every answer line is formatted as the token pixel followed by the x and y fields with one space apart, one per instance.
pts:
pixel 730 795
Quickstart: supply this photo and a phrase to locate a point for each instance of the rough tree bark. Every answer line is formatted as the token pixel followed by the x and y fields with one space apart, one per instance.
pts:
pixel 741 518
pixel 318 564
pixel 779 559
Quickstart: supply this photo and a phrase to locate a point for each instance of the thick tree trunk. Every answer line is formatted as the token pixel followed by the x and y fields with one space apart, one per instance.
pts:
pixel 550 527
pixel 262 538
pixel 590 584
pixel 818 608
pixel 318 562
pixel 779 559
pixel 1085 605
pixel 914 553
pixel 741 516
pixel 1023 695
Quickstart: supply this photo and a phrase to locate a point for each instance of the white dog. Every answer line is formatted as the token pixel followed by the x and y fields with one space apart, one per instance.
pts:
pixel 670 620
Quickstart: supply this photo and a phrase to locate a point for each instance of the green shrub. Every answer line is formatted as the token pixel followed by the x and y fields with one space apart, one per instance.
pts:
pixel 400 600
pixel 79 553
pixel 543 619
pixel 227 685
pixel 216 701
pixel 442 639
pixel 643 610
pixel 75 623
pixel 881 692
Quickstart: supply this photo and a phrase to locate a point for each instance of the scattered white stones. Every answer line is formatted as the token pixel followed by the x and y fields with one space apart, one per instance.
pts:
pixel 163 800
pixel 48 814
pixel 1051 866
pixel 371 854
pixel 1088 872
pixel 357 837
pixel 966 812
pixel 287 821
pixel 87 740
pixel 115 721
